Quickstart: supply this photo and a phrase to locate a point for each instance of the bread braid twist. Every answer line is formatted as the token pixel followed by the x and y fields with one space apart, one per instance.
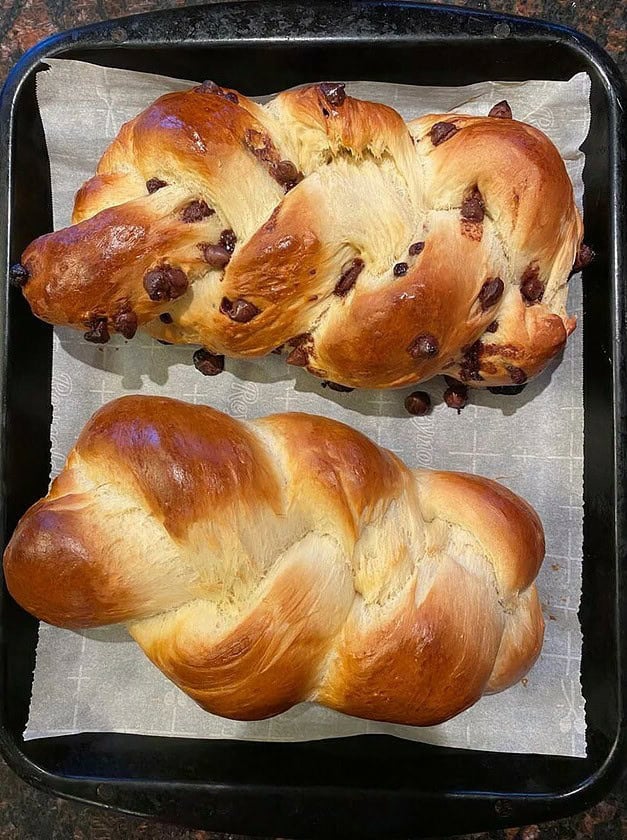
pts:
pixel 287 559
pixel 378 253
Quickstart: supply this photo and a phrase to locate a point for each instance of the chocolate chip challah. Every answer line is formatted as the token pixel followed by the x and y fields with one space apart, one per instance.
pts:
pixel 377 253
pixel 262 564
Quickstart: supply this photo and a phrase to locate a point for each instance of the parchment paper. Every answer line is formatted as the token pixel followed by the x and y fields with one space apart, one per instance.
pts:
pixel 100 680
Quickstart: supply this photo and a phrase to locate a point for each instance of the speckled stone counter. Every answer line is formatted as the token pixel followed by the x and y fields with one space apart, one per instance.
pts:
pixel 27 814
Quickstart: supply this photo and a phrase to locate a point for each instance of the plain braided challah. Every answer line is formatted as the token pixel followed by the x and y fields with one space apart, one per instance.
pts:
pixel 377 253
pixel 287 559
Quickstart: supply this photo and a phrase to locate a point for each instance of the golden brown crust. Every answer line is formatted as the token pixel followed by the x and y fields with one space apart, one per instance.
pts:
pixel 263 564
pixel 489 198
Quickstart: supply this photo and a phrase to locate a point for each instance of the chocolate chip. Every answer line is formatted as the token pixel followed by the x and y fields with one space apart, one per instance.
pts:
pixel 441 131
pixel 285 172
pixel 456 396
pixel 501 110
pixel 493 327
pixel 333 92
pixel 335 386
pixel 239 310
pixel 349 277
pixel 473 208
pixel 424 346
pixel 196 211
pixel 228 240
pixel 155 184
pixel 98 333
pixel 166 318
pixel 507 390
pixel 584 257
pixel 214 255
pixel 299 356
pixel 260 145
pixel 325 112
pixel 126 324
pixel 208 363
pixel 400 269
pixel 471 363
pixel 18 275
pixel 209 87
pixel 299 339
pixel 418 403
pixel 416 249
pixel 517 374
pixel 165 283
pixel 531 287
pixel 491 292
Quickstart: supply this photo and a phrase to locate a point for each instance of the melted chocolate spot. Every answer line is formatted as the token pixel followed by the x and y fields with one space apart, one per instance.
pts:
pixel 155 184
pixel 456 396
pixel 214 255
pixel 418 403
pixel 98 332
pixel 518 375
pixel 240 310
pixel 349 277
pixel 334 93
pixel 416 249
pixel 260 145
pixel 228 240
pixel 165 283
pixel 491 292
pixel 166 318
pixel 501 110
pixel 299 356
pixel 126 324
pixel 424 346
pixel 493 327
pixel 18 275
pixel 208 363
pixel 299 339
pixel 473 208
pixel 196 211
pixel 531 287
pixel 471 363
pixel 209 87
pixel 400 269
pixel 285 172
pixel 584 257
pixel 441 131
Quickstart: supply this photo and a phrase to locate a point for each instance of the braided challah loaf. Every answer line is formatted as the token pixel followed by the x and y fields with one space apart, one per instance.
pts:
pixel 287 559
pixel 378 253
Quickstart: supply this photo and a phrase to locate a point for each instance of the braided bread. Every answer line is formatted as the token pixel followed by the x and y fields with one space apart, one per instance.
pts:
pixel 287 559
pixel 376 253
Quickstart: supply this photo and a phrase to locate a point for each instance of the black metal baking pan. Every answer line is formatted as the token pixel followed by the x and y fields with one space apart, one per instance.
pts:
pixel 371 786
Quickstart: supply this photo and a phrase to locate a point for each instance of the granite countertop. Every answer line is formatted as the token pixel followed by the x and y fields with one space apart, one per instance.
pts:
pixel 28 814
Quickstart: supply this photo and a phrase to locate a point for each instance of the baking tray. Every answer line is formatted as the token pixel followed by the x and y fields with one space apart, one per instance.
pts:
pixel 371 786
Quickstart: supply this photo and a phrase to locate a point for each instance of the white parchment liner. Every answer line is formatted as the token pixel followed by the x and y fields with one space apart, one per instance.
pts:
pixel 533 443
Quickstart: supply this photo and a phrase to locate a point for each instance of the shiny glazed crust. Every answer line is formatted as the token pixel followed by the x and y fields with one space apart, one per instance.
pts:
pixel 287 559
pixel 322 197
